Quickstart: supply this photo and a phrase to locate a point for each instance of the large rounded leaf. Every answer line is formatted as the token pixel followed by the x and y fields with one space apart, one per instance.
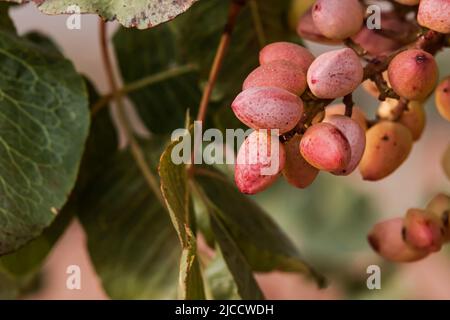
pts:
pixel 44 121
pixel 141 14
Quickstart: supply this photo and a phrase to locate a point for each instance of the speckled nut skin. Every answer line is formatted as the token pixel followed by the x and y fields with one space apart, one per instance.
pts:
pixel 268 108
pixel 435 15
pixel 387 147
pixel 338 19
pixel 325 147
pixel 356 137
pixel 255 155
pixel 413 74
pixel 386 239
pixel 335 74
pixel 288 52
pixel 281 74
pixel 297 171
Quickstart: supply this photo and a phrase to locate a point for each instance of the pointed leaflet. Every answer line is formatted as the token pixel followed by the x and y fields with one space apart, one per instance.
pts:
pixel 174 187
pixel 141 14
pixel 191 278
pixel 237 263
pixel 175 192
pixel 260 240
pixel 130 239
pixel 43 126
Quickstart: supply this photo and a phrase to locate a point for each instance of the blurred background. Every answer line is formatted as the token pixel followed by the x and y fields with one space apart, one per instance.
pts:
pixel 329 221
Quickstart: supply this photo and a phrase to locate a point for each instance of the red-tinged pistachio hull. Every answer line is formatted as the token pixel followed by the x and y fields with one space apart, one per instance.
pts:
pixel 286 51
pixel 355 136
pixel 268 108
pixel 338 19
pixel 413 74
pixel 335 74
pixel 281 74
pixel 421 231
pixel 386 239
pixel 325 147
pixel 297 171
pixel 435 15
pixel 259 161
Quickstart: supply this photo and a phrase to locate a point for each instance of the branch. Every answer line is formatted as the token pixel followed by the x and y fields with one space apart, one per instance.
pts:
pixel 401 107
pixel 383 87
pixel 431 41
pixel 348 102
pixel 142 83
pixel 234 11
pixel 136 150
pixel 360 51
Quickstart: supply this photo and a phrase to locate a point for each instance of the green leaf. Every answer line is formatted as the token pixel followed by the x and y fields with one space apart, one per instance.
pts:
pixel 43 41
pixel 220 280
pixel 237 263
pixel 44 122
pixel 8 287
pixel 261 241
pixel 203 223
pixel 191 278
pixel 174 187
pixel 162 105
pixel 141 14
pixel 28 260
pixel 132 244
pixel 446 162
pixel 5 21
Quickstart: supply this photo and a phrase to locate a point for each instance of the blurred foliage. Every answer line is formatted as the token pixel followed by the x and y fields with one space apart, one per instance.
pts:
pixel 329 221
pixel 5 21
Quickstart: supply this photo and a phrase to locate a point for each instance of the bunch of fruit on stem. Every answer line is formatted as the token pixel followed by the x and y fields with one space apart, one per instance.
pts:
pixel 293 92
